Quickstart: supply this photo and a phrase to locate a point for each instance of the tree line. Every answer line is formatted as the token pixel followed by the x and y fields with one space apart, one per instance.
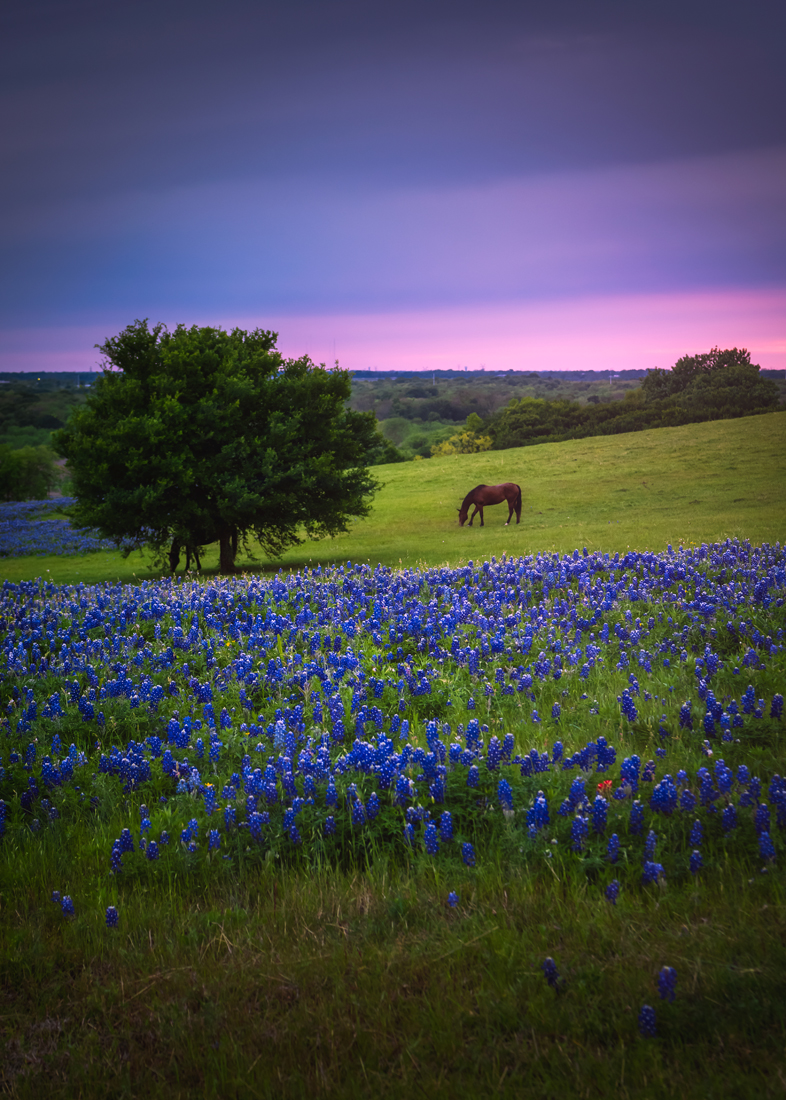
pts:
pixel 716 385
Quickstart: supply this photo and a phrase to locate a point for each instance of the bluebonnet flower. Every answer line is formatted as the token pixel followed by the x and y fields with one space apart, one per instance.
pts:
pixel 729 818
pixel 67 906
pixel 152 850
pixel 505 795
pixel 613 849
pixel 766 847
pixel 550 972
pixel 612 891
pixel 111 916
pixel 430 839
pixel 647 1021
pixel 636 820
pixel 650 844
pixel 652 872
pixel 453 899
pixel 213 839
pixel 686 720
pixel 446 826
pixel 696 835
pixel 667 983
pixel 468 854
pixel 696 862
pixel 578 832
pixel 372 806
pixel 329 826
pixel 599 814
pixel 761 818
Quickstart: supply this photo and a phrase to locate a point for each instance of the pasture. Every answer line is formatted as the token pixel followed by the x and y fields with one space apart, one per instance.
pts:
pixel 698 483
pixel 318 833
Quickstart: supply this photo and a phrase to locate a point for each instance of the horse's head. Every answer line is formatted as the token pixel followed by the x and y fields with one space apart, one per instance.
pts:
pixel 463 513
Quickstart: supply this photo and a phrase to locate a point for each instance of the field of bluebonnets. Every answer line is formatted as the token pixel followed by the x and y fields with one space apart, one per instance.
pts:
pixel 29 528
pixel 529 809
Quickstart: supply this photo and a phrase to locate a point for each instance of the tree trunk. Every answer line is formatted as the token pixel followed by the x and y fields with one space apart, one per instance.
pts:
pixel 226 558
pixel 174 555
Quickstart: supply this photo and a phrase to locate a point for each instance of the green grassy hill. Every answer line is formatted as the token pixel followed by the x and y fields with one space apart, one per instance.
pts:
pixel 697 483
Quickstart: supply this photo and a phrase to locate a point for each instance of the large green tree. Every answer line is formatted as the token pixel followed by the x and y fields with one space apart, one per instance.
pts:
pixel 201 435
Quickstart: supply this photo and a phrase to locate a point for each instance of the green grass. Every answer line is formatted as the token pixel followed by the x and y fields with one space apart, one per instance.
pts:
pixel 698 483
pixel 230 979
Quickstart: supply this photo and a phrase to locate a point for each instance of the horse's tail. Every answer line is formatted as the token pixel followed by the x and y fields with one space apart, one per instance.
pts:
pixel 517 502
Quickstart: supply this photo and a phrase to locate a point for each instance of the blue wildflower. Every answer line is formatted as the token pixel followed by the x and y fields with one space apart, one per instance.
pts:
pixel 667 983
pixel 647 1022
pixel 766 847
pixel 550 972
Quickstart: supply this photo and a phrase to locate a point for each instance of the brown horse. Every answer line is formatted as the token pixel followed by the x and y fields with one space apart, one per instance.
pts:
pixel 483 495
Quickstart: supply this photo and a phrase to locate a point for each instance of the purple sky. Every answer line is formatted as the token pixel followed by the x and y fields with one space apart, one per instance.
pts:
pixel 527 185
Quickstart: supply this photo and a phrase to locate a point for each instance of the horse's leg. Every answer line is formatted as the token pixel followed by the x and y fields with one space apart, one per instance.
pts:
pixel 510 513
pixel 188 558
pixel 471 518
pixel 480 509
pixel 196 557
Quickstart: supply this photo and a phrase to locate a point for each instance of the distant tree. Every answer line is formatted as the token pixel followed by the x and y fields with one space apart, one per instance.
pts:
pixel 716 384
pixel 27 473
pixel 201 435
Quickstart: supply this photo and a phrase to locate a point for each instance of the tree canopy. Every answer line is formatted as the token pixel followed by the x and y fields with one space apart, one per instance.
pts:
pixel 200 435
pixel 26 473
pixel 719 383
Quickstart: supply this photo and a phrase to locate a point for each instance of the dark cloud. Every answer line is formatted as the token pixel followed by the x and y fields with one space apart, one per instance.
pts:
pixel 130 127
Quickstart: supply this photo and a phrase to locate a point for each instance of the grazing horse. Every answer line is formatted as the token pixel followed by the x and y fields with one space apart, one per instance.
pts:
pixel 192 547
pixel 483 495
pixel 174 554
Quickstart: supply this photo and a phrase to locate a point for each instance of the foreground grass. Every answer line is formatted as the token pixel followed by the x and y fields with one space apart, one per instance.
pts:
pixel 698 483
pixel 329 984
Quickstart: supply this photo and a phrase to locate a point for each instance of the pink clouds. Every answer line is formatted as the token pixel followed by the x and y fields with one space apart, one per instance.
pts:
pixel 593 333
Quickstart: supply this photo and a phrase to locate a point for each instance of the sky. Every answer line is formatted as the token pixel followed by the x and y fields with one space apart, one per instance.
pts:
pixel 513 185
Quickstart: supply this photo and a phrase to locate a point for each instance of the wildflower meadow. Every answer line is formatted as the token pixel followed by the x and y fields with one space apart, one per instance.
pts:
pixel 516 823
